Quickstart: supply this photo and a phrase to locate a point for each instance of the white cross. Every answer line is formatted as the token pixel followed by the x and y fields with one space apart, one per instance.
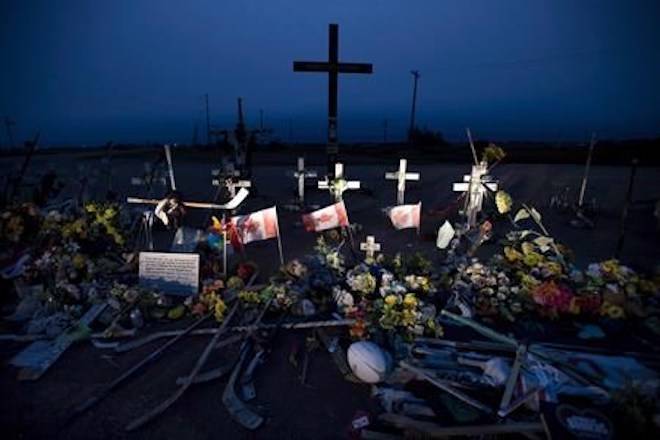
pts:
pixel 338 185
pixel 232 184
pixel 475 185
pixel 401 176
pixel 370 247
pixel 229 206
pixel 301 174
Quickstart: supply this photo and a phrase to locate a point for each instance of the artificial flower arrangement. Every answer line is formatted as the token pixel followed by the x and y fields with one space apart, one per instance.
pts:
pixel 19 224
pixel 392 294
pixel 534 274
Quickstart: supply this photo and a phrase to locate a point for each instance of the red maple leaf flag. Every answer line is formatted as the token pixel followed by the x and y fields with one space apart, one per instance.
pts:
pixel 405 216
pixel 260 225
pixel 330 217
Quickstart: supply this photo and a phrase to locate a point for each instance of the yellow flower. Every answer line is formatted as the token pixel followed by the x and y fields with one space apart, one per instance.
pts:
pixel 248 296
pixel 503 202
pixel 410 301
pixel 610 267
pixel 390 300
pixel 615 312
pixel 511 254
pixel 219 310
pixel 553 267
pixel 529 282
pixel 612 311
pixel 78 261
pixel 407 317
pixel 532 259
pixel 527 247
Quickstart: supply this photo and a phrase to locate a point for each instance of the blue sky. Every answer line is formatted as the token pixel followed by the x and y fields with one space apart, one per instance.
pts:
pixel 137 70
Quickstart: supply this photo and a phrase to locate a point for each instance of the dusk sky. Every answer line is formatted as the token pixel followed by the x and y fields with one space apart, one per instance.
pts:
pixel 86 72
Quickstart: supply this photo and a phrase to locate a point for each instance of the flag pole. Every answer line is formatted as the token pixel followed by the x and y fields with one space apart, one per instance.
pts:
pixel 224 244
pixel 279 239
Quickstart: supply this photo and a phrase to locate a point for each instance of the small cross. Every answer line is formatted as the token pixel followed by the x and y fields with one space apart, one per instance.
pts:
pixel 370 247
pixel 401 176
pixel 475 185
pixel 301 174
pixel 232 184
pixel 339 184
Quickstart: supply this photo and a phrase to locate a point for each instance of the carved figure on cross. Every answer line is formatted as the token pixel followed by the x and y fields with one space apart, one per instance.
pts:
pixel 401 176
pixel 339 184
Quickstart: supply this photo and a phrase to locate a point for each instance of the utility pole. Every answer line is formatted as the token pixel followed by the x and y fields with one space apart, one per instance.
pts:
pixel 415 74
pixel 208 121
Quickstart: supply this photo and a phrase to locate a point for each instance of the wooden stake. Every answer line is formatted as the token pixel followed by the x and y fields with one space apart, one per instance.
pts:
pixel 279 239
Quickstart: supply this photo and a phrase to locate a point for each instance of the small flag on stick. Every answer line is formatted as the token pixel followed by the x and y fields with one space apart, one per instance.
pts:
pixel 330 217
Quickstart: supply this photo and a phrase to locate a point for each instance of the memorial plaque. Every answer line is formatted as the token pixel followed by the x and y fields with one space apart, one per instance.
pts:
pixel 172 273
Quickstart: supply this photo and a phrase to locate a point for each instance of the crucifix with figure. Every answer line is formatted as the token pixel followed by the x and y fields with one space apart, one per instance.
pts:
pixel 333 67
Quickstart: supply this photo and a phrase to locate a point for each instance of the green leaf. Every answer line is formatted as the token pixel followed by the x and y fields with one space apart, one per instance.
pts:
pixel 522 214
pixel 525 233
pixel 535 214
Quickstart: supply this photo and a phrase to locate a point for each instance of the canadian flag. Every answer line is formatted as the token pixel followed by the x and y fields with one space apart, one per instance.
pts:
pixel 405 216
pixel 329 217
pixel 260 225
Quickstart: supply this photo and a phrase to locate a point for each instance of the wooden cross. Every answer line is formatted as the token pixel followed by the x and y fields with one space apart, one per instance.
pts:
pixel 333 67
pixel 229 206
pixel 339 184
pixel 475 186
pixel 301 174
pixel 370 247
pixel 401 176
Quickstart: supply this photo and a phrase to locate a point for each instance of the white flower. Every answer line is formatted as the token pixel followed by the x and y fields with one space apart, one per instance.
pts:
pixel 342 298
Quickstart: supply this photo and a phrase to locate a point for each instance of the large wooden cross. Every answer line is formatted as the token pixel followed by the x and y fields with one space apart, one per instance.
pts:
pixel 333 67
pixel 401 176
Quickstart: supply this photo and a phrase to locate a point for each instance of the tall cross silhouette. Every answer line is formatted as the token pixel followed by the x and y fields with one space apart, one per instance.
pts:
pixel 333 67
